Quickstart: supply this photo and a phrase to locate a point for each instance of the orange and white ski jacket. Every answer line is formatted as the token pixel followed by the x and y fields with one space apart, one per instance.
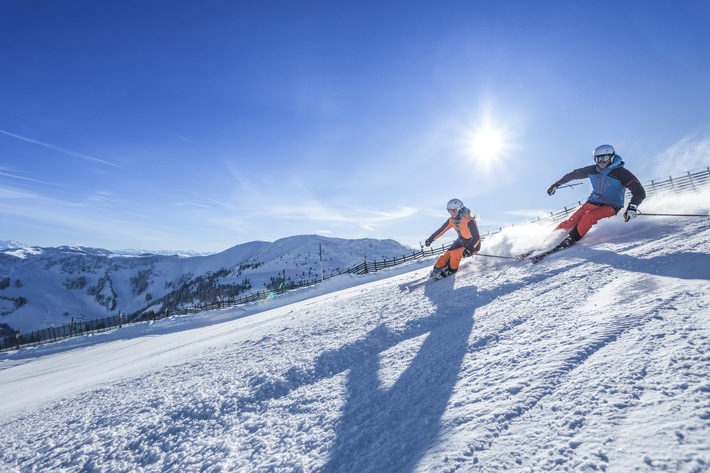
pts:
pixel 466 228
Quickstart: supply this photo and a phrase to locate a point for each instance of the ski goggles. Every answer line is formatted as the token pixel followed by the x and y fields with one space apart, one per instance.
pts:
pixel 453 212
pixel 603 158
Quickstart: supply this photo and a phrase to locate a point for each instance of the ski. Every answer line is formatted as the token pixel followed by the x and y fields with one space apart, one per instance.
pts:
pixel 420 282
pixel 536 258
pixel 437 278
pixel 524 256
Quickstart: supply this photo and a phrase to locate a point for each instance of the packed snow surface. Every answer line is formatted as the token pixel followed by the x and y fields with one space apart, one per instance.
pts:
pixel 596 359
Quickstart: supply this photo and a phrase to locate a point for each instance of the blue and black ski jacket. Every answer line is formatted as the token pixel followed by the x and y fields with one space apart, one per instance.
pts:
pixel 609 184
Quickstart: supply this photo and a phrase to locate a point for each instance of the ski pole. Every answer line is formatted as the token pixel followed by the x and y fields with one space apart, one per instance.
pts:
pixel 571 185
pixel 495 256
pixel 674 215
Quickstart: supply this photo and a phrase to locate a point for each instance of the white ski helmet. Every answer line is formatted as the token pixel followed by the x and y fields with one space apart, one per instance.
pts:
pixel 604 154
pixel 454 206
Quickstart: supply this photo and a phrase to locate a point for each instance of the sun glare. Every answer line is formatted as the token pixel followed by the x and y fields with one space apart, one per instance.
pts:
pixel 487 144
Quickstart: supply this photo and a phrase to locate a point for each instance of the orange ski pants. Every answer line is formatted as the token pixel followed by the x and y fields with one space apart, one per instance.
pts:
pixel 454 254
pixel 586 216
pixel 450 257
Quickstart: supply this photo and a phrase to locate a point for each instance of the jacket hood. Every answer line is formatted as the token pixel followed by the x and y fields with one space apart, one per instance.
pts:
pixel 464 212
pixel 616 163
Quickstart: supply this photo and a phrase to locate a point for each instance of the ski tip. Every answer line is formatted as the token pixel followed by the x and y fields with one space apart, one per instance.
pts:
pixel 530 259
pixel 524 256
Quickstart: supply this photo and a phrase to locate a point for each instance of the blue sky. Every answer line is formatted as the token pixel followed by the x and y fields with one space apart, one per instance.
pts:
pixel 203 125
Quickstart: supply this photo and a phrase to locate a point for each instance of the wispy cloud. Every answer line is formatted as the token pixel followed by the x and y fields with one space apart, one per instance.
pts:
pixel 7 193
pixel 182 138
pixel 690 153
pixel 95 216
pixel 318 212
pixel 29 179
pixel 528 213
pixel 68 152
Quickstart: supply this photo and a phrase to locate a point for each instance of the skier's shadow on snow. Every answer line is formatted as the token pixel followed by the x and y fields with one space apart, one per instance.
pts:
pixel 677 265
pixel 389 429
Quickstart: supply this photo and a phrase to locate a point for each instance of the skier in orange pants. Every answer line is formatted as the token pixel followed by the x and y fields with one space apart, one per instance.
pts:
pixel 582 220
pixel 609 183
pixel 468 242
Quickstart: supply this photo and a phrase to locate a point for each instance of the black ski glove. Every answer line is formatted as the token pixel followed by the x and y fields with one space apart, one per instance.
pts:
pixel 552 189
pixel 428 241
pixel 632 211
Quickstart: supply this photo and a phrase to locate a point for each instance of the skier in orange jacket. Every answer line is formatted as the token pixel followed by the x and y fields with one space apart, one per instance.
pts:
pixel 468 242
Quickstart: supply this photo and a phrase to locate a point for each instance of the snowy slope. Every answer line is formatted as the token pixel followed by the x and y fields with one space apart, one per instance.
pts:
pixel 597 359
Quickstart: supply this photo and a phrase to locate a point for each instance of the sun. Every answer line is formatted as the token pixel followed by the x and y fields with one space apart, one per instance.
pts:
pixel 487 144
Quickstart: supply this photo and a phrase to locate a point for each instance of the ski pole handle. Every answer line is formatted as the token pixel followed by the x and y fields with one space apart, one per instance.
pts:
pixel 571 185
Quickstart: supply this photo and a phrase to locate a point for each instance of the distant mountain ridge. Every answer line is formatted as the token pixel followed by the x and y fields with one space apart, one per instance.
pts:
pixel 41 287
pixel 11 244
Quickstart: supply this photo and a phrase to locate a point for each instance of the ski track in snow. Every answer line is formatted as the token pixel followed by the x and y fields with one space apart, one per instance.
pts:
pixel 596 359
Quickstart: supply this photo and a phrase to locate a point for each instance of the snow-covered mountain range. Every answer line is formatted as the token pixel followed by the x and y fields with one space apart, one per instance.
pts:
pixel 42 287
